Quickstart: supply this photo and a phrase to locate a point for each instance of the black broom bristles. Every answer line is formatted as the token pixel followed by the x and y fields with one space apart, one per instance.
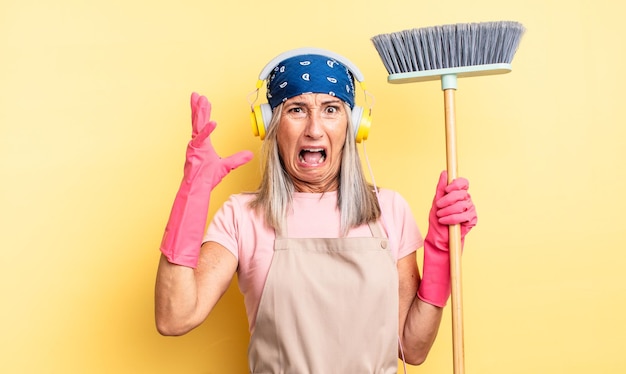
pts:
pixel 449 46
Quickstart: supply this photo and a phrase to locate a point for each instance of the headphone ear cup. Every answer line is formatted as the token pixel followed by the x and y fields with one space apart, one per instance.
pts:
pixel 362 121
pixel 261 117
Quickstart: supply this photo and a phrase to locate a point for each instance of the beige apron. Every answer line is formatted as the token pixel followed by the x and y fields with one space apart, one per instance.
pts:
pixel 328 306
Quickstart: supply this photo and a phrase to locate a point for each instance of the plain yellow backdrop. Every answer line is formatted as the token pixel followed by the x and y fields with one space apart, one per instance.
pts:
pixel 94 119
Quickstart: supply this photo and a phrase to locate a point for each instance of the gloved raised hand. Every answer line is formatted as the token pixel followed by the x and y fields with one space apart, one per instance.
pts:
pixel 452 205
pixel 203 170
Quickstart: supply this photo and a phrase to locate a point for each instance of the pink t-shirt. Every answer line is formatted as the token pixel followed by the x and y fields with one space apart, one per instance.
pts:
pixel 314 215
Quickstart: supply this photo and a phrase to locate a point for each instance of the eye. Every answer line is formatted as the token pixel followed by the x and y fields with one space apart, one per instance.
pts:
pixel 296 112
pixel 332 111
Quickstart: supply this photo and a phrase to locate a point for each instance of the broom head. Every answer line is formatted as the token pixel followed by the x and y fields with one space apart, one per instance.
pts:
pixel 464 49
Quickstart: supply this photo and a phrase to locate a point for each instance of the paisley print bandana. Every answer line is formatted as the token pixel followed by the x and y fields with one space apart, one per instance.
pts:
pixel 309 73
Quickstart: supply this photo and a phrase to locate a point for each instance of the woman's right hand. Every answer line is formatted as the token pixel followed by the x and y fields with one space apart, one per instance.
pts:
pixel 202 158
pixel 204 169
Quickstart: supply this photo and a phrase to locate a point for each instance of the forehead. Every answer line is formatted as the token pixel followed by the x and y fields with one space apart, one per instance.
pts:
pixel 313 98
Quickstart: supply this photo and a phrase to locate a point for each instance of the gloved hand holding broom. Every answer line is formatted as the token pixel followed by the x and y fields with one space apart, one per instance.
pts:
pixel 203 170
pixel 452 205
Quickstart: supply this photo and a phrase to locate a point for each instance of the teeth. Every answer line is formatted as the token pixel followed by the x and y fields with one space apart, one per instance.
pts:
pixel 320 150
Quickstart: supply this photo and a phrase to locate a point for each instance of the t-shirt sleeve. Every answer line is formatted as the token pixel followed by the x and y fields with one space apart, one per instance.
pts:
pixel 223 227
pixel 403 227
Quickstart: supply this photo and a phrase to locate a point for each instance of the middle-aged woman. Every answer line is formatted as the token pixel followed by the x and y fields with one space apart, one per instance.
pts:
pixel 326 262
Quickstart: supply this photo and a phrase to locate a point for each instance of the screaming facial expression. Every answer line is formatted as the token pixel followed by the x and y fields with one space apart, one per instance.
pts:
pixel 311 136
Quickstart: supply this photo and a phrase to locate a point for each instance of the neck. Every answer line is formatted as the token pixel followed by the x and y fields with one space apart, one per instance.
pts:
pixel 300 186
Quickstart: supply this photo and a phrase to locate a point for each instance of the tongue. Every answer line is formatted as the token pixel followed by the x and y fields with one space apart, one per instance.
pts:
pixel 312 157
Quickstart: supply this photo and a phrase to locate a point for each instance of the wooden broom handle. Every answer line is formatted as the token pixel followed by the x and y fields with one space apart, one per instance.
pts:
pixel 454 240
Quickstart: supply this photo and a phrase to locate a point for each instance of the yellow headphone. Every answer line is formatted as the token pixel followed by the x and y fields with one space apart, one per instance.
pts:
pixel 262 114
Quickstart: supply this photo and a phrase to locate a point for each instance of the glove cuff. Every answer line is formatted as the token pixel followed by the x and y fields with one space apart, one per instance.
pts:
pixel 435 285
pixel 185 257
pixel 184 232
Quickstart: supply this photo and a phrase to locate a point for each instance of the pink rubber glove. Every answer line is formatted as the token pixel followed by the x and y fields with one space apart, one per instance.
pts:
pixel 204 169
pixel 452 205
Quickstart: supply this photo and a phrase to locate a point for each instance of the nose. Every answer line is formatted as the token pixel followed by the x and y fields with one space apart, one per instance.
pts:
pixel 314 127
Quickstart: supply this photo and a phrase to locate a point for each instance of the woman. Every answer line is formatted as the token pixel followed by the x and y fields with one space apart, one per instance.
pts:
pixel 326 263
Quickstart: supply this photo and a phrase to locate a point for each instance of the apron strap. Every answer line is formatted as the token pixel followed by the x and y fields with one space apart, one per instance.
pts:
pixel 375 229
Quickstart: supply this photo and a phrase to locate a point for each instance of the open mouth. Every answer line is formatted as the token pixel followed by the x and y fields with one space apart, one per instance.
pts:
pixel 313 156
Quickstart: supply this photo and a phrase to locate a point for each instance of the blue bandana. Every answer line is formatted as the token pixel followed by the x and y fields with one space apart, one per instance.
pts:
pixel 309 74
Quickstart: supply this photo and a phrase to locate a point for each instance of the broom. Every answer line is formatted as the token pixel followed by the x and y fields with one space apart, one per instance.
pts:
pixel 447 52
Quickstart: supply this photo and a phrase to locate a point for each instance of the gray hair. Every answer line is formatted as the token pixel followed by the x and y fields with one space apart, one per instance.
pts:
pixel 356 201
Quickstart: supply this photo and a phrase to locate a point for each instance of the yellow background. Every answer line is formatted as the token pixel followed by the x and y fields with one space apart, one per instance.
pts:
pixel 94 120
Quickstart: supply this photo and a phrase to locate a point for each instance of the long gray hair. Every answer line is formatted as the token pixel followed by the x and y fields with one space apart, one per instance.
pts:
pixel 356 201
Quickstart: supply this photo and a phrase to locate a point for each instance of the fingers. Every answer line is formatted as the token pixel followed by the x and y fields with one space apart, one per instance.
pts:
pixel 200 136
pixel 448 194
pixel 454 203
pixel 458 184
pixel 457 206
pixel 452 197
pixel 467 220
pixel 460 213
pixel 194 113
pixel 194 98
pixel 200 113
pixel 441 185
pixel 238 159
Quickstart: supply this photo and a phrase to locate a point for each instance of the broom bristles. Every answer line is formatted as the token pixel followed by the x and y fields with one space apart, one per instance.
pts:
pixel 449 46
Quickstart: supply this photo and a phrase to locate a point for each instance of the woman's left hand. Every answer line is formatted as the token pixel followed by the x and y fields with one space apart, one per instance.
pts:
pixel 453 204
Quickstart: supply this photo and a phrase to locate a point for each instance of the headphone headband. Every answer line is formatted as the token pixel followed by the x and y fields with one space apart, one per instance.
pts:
pixel 309 51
